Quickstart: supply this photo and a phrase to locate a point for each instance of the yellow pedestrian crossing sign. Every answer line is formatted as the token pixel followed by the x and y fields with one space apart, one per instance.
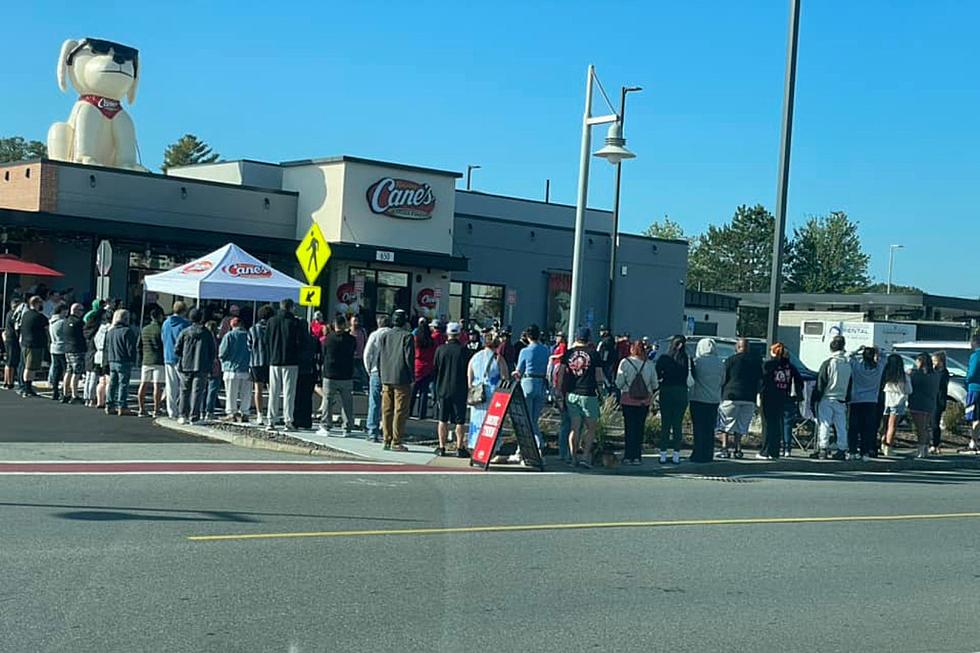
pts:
pixel 309 296
pixel 313 253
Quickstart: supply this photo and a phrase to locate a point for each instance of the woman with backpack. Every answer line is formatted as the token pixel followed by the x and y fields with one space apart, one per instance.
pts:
pixel 708 371
pixel 636 379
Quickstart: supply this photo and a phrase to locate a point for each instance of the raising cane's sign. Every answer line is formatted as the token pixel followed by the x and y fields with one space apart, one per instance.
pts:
pixel 401 198
pixel 426 298
pixel 247 271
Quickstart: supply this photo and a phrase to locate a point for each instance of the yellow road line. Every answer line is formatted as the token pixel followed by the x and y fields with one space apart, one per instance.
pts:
pixel 517 528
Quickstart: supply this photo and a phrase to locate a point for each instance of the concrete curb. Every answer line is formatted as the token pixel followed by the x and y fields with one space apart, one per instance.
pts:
pixel 249 442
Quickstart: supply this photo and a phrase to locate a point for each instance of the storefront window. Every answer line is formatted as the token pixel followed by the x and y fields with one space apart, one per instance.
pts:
pixel 455 300
pixel 486 303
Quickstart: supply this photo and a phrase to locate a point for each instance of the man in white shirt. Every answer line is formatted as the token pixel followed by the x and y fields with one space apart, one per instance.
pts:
pixel 371 355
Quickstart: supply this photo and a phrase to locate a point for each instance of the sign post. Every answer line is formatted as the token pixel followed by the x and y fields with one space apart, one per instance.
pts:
pixel 511 302
pixel 103 266
pixel 312 253
pixel 507 400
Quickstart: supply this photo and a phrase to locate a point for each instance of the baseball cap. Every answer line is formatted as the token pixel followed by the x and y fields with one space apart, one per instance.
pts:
pixel 584 334
pixel 399 317
pixel 453 328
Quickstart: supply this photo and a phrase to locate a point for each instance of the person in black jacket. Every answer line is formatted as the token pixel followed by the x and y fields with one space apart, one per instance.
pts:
pixel 283 341
pixel 75 349
pixel 120 353
pixel 939 365
pixel 338 376
pixel 195 351
pixel 33 340
pixel 307 370
pixel 673 368
pixel 780 379
pixel 740 387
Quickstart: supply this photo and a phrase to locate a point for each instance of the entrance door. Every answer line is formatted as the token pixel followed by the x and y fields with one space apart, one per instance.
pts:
pixel 384 291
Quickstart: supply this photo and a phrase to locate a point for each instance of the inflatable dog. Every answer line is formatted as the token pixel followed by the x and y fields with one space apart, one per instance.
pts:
pixel 98 131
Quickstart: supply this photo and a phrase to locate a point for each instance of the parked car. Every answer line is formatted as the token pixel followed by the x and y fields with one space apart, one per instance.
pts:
pixel 955 351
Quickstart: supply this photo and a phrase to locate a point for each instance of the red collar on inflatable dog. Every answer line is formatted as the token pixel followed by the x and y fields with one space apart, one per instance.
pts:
pixel 107 106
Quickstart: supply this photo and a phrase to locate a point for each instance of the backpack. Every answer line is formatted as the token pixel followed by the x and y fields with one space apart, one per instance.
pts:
pixel 638 387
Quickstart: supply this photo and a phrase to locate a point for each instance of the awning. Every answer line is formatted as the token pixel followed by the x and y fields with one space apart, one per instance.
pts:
pixel 10 264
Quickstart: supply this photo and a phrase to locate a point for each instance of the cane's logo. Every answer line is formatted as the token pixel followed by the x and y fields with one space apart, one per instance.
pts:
pixel 247 271
pixel 426 298
pixel 197 267
pixel 346 293
pixel 401 198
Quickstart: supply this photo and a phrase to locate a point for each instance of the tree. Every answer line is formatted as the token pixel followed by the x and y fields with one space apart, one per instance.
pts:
pixel 17 148
pixel 825 256
pixel 735 257
pixel 897 289
pixel 666 229
pixel 187 151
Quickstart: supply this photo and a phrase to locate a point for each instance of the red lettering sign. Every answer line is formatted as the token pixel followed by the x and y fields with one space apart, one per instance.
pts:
pixel 346 293
pixel 486 441
pixel 401 198
pixel 426 298
pixel 197 267
pixel 247 271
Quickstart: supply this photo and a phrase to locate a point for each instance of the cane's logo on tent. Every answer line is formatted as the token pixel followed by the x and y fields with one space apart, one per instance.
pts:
pixel 401 198
pixel 247 271
pixel 197 267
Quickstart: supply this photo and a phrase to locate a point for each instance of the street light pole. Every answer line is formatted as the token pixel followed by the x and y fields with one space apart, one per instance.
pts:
pixel 614 242
pixel 785 144
pixel 469 175
pixel 891 265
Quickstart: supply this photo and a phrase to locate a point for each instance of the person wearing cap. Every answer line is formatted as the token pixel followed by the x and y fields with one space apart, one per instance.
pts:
pixel 532 371
pixel 583 376
pixel 606 349
pixel 319 328
pixel 396 365
pixel 75 349
pixel 450 365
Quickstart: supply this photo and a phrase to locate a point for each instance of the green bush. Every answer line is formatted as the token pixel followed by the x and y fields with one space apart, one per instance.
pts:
pixel 954 417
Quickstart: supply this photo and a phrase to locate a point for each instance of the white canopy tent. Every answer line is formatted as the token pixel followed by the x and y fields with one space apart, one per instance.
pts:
pixel 226 273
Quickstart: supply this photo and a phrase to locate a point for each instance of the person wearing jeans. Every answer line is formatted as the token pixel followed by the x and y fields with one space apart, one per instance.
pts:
pixel 169 333
pixel 56 345
pixel 120 353
pixel 338 376
pixel 532 370
pixel 830 397
pixel 195 352
pixel 283 337
pixel 636 380
pixel 374 380
pixel 673 369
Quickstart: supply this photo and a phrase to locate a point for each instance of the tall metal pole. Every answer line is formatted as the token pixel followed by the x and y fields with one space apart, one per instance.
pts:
pixel 583 196
pixel 785 143
pixel 469 175
pixel 614 244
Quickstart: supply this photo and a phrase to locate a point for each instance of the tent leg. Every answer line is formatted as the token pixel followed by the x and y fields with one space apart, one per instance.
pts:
pixel 255 312
pixel 3 314
pixel 143 306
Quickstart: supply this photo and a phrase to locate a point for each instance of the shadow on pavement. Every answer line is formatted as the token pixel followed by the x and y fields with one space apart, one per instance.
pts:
pixel 914 476
pixel 112 515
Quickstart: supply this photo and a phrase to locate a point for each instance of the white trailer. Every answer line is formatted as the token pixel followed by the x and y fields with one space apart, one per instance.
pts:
pixel 815 336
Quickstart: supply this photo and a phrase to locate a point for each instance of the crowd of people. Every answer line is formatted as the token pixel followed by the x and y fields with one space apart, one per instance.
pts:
pixel 271 371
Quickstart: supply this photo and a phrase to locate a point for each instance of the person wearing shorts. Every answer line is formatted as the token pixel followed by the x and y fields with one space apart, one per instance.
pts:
pixel 449 371
pixel 33 339
pixel 741 383
pixel 153 373
pixel 582 379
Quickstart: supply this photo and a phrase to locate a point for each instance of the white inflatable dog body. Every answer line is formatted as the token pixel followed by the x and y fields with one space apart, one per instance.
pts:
pixel 98 131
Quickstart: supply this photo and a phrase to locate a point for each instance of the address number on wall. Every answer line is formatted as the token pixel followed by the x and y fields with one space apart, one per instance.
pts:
pixel 384 257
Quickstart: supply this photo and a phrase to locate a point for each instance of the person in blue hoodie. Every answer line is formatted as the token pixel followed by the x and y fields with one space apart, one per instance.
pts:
pixel 973 394
pixel 170 331
pixel 235 356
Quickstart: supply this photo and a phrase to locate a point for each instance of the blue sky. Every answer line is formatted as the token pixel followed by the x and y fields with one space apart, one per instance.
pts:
pixel 886 123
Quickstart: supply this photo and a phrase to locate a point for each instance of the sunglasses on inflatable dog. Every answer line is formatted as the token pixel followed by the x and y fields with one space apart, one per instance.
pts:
pixel 121 53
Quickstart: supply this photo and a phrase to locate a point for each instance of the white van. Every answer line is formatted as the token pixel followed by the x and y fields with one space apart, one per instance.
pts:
pixel 815 337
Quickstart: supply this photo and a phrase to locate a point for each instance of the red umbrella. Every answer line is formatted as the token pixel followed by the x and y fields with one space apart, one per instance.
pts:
pixel 10 264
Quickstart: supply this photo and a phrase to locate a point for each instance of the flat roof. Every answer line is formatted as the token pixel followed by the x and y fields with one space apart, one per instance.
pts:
pixel 373 162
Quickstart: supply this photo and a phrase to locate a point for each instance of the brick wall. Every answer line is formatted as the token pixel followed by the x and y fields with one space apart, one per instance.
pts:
pixel 29 186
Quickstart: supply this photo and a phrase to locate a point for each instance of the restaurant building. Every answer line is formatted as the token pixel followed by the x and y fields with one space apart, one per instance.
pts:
pixel 401 236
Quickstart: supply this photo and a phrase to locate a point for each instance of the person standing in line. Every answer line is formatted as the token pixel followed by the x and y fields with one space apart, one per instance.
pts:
pixel 922 401
pixel 360 342
pixel 636 380
pixel 740 388
pixel 214 379
pixel 606 350
pixel 830 397
pixel 319 328
pixel 396 365
pixel 282 336
pixel 897 388
pixel 505 348
pixel 708 371
pixel 485 370
pixel 258 345
pixel 91 323
pixel 425 352
pixel 56 338
pixel 973 394
pixel 234 311
pixel 195 352
pixel 863 415
pixel 450 390
pixel 101 362
pixel 532 371
pixel 120 356
pixel 583 380
pixel 780 379
pixel 557 355
pixel 673 371
pixel 939 365
pixel 338 377
pixel 235 358
pixel 33 340
pixel 307 379
pixel 11 343
pixel 75 350
pixel 153 373
pixel 374 380
pixel 169 333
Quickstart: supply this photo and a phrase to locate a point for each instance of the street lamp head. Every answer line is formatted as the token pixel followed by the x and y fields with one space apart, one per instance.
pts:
pixel 614 150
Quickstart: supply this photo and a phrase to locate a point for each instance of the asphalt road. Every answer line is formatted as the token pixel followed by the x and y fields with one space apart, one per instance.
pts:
pixel 104 563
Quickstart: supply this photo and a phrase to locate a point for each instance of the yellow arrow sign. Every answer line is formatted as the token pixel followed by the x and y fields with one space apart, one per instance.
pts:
pixel 309 296
pixel 313 253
